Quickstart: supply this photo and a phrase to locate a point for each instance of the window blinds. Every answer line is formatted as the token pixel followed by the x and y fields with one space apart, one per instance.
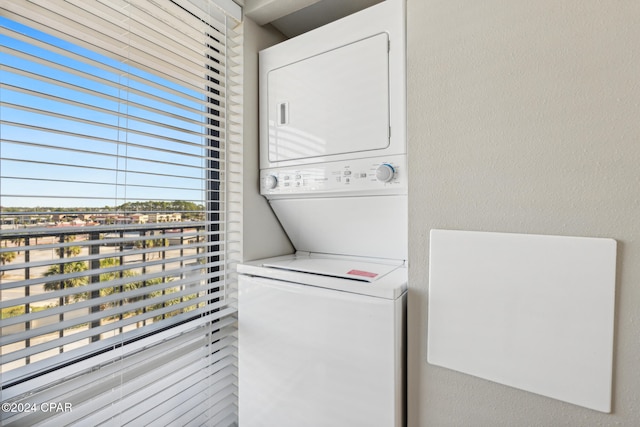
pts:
pixel 120 186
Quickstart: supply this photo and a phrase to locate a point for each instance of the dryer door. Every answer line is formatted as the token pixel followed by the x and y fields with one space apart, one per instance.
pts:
pixel 333 103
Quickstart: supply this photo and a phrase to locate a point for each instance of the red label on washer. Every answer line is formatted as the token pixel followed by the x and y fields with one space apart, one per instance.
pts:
pixel 362 273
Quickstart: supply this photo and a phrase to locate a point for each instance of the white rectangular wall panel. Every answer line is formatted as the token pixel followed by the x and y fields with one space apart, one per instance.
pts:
pixel 529 311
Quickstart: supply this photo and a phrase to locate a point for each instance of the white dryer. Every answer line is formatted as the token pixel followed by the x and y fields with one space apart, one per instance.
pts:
pixel 321 332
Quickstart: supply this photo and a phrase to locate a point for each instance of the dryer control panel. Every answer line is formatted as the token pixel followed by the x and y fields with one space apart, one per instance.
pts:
pixel 374 175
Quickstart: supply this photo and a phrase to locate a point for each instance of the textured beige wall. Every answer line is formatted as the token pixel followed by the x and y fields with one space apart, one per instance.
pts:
pixel 524 116
pixel 262 234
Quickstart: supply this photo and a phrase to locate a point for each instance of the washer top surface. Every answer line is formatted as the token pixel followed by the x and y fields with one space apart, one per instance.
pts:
pixel 383 279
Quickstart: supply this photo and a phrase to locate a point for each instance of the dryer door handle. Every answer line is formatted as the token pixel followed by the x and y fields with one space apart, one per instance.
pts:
pixel 283 113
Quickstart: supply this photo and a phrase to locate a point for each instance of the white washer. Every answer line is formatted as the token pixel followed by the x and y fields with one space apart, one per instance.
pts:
pixel 321 336
pixel 320 349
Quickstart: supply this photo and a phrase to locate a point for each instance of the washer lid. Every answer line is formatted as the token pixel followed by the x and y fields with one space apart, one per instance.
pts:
pixel 348 274
pixel 343 268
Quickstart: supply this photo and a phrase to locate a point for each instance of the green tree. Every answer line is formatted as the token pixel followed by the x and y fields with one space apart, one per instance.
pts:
pixel 69 251
pixel 110 276
pixel 152 243
pixel 17 241
pixel 6 257
pixel 73 282
pixel 130 285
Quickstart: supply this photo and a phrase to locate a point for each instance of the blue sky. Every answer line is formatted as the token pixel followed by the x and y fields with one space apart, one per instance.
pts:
pixel 59 175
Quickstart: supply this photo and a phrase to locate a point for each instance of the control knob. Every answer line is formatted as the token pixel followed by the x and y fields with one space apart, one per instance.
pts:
pixel 270 182
pixel 385 172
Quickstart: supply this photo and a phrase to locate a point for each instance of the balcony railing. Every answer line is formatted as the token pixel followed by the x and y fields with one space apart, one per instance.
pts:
pixel 70 291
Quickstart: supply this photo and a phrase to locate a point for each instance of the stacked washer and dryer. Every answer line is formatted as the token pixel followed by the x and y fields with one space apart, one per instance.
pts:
pixel 321 332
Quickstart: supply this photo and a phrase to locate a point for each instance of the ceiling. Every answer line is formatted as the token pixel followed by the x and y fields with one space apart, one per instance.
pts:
pixel 294 17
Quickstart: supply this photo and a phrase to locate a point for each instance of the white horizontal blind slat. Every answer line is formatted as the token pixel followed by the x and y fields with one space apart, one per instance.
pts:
pixel 121 168
pixel 177 366
pixel 111 314
pixel 67 20
pixel 84 373
pixel 218 13
pixel 104 63
pixel 198 387
pixel 94 395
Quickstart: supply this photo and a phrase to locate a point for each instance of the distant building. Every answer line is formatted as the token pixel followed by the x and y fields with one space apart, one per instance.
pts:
pixel 112 219
pixel 165 217
pixel 139 218
pixel 8 223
